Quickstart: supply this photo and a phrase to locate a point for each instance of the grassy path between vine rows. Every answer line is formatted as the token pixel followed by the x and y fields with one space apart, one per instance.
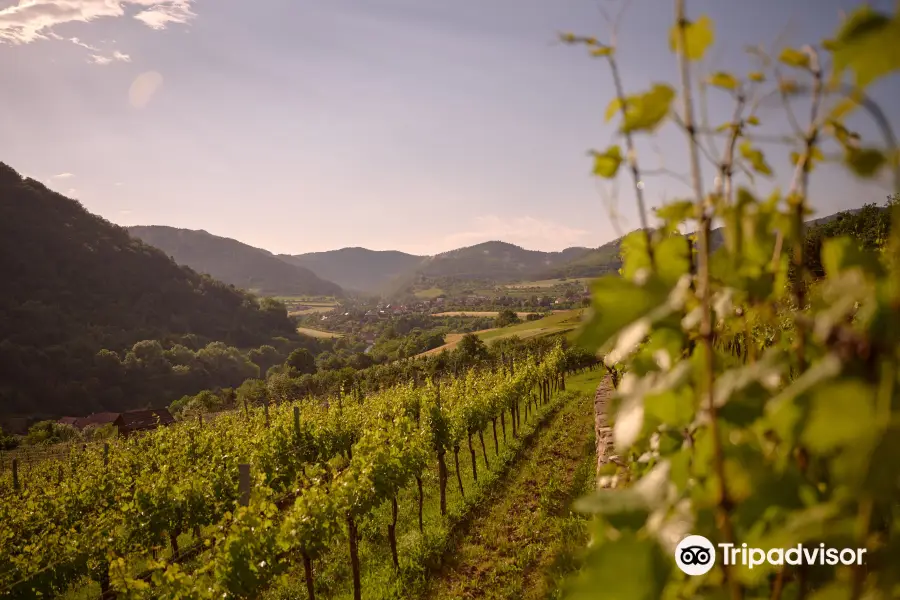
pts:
pixel 524 538
pixel 422 556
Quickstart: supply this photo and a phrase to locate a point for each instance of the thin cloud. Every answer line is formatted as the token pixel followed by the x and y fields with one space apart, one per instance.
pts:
pixel 528 232
pixel 62 176
pixel 31 20
pixel 99 59
pixel 78 42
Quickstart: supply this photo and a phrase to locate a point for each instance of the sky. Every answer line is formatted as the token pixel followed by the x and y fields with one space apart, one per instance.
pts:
pixel 413 125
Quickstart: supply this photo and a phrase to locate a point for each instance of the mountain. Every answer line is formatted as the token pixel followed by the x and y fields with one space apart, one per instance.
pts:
pixel 236 263
pixel 74 283
pixel 358 269
pixel 497 261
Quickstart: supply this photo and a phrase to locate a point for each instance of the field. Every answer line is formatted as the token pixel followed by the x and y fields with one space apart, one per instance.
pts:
pixel 429 293
pixel 549 283
pixel 311 310
pixel 318 333
pixel 561 321
pixel 242 448
pixel 475 313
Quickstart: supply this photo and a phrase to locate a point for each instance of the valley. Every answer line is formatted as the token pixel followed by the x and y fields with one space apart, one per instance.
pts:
pixel 411 300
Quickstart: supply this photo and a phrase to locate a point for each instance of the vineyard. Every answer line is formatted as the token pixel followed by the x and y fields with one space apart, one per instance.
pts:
pixel 223 509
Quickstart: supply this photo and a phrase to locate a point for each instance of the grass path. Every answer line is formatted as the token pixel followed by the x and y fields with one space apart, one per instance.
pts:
pixel 523 539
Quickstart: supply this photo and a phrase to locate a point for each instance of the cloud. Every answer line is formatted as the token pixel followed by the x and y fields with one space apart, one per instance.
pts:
pixel 78 42
pixel 99 59
pixel 528 232
pixel 72 193
pixel 62 176
pixel 31 20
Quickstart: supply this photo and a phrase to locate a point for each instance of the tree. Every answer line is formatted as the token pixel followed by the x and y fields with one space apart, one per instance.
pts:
pixel 471 348
pixel 302 361
pixel 507 317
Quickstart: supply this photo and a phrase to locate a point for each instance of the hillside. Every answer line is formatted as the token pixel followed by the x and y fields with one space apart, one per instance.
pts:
pixel 73 283
pixel 358 269
pixel 235 263
pixel 498 261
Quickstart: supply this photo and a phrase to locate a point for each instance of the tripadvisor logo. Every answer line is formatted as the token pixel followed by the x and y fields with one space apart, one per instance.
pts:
pixel 696 555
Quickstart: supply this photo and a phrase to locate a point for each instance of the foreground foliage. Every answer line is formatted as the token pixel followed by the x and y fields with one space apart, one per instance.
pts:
pixel 757 404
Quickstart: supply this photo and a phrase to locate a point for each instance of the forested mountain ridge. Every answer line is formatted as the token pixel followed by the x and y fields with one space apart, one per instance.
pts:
pixel 358 269
pixel 234 262
pixel 74 283
pixel 499 261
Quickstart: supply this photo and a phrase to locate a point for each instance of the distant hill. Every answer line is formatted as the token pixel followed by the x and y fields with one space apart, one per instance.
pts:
pixel 358 269
pixel 234 262
pixel 498 261
pixel 73 284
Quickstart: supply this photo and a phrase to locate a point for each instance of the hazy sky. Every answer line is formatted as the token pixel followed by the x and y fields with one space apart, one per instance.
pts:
pixel 306 125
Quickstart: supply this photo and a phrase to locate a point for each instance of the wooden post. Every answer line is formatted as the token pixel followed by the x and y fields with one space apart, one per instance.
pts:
pixel 421 503
pixel 297 423
pixel 105 454
pixel 266 410
pixel 15 470
pixel 244 484
pixel 308 571
pixel 354 557
pixel 200 420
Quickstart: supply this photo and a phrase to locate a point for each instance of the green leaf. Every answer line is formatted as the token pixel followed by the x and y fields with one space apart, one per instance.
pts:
pixel 865 162
pixel 843 412
pixel 677 212
pixel 756 158
pixel 753 120
pixel 757 77
pixel 629 567
pixel 699 36
pixel 644 112
pixel 675 408
pixel 842 253
pixel 724 80
pixel 602 51
pixel 607 164
pixel 614 106
pixel 618 302
pixel 866 44
pixel 673 258
pixel 794 58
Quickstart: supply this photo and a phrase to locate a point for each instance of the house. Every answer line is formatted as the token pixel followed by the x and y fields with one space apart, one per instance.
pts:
pixel 142 420
pixel 68 421
pixel 97 419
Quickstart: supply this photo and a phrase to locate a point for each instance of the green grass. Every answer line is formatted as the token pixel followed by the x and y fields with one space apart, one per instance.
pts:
pixel 549 283
pixel 422 555
pixel 565 321
pixel 555 323
pixel 318 333
pixel 525 539
pixel 312 310
pixel 430 293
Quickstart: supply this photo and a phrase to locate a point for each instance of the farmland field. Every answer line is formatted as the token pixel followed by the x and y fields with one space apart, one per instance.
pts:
pixel 429 293
pixel 548 283
pixel 311 310
pixel 318 333
pixel 561 321
pixel 475 313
